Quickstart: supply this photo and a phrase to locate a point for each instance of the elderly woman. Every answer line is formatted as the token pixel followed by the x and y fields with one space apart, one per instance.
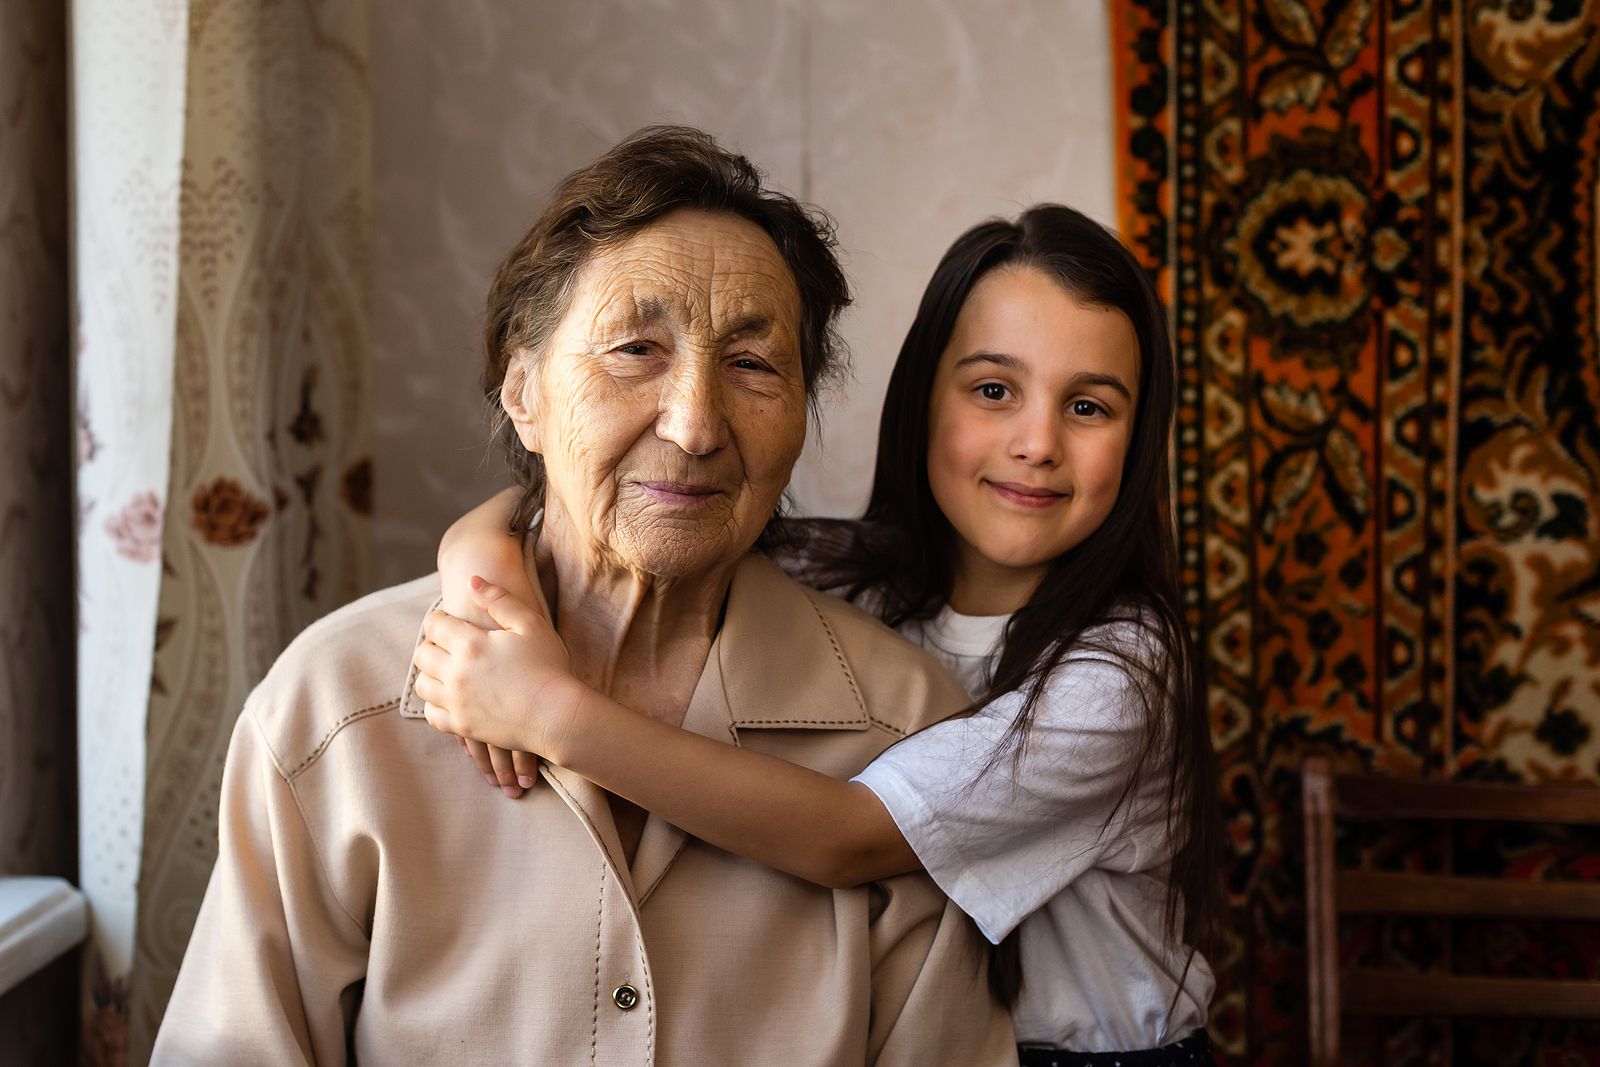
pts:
pixel 654 341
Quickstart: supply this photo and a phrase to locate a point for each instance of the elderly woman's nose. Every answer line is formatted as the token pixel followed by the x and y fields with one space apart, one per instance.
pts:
pixel 693 412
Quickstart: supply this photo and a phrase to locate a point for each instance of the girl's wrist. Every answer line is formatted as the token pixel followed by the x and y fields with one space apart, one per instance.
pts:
pixel 569 713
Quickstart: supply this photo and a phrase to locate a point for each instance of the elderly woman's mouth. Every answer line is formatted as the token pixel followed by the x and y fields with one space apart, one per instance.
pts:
pixel 679 494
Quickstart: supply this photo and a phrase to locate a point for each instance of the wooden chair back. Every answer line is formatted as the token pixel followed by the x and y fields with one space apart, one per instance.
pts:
pixel 1331 892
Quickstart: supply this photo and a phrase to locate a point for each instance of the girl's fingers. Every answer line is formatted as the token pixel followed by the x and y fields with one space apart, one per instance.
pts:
pixel 431 690
pixel 447 631
pixel 505 774
pixel 480 756
pixel 507 611
pixel 430 659
pixel 434 715
pixel 527 768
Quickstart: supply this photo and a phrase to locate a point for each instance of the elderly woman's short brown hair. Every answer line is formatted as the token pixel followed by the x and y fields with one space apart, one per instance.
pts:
pixel 658 170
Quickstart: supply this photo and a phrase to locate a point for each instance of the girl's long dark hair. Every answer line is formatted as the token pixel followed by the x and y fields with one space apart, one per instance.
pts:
pixel 906 548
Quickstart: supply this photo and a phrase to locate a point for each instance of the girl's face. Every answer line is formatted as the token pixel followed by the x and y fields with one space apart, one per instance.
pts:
pixel 1029 424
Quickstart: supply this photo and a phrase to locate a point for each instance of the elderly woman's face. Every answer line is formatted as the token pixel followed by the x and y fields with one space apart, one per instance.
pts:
pixel 670 404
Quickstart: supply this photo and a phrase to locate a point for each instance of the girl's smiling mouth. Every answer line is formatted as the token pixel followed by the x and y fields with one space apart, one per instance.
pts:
pixel 1028 496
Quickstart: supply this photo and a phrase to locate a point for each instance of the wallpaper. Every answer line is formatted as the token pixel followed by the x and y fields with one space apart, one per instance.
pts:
pixel 890 116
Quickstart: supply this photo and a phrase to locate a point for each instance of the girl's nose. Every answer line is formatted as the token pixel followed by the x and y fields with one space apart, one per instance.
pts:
pixel 1037 441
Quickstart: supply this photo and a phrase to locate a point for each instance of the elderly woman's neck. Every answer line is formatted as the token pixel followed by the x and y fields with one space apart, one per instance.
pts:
pixel 621 624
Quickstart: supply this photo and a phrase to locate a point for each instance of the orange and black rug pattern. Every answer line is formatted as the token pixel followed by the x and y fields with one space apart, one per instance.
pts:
pixel 1376 226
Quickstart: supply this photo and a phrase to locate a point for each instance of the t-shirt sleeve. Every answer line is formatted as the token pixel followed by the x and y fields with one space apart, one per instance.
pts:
pixel 1003 835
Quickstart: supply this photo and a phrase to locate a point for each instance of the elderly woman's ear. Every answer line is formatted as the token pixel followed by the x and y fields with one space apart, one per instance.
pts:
pixel 518 400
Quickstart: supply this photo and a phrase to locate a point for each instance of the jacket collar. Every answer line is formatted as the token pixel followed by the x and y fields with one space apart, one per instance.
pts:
pixel 775 638
pixel 775 664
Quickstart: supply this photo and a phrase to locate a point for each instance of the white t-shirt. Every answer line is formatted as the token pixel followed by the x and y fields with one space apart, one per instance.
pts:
pixel 1022 846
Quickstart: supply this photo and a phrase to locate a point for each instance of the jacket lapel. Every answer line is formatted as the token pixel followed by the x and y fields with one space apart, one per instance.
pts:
pixel 707 715
pixel 775 664
pixel 589 803
pixel 783 666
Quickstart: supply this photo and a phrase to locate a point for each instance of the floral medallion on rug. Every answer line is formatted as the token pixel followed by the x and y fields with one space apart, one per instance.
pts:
pixel 1376 227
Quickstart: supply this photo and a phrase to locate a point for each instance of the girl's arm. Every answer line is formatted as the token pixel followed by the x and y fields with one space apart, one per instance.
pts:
pixel 519 694
pixel 480 542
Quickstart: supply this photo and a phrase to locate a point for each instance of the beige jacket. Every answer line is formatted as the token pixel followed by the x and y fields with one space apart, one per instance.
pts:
pixel 374 900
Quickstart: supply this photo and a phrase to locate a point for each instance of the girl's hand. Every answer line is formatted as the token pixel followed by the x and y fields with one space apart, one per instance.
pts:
pixel 513 773
pixel 510 690
pixel 481 542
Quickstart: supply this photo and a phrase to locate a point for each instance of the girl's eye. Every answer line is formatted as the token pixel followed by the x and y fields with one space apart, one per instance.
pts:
pixel 992 391
pixel 1086 409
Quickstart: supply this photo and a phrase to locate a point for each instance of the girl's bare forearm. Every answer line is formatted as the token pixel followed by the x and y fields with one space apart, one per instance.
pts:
pixel 479 543
pixel 832 833
pixel 835 834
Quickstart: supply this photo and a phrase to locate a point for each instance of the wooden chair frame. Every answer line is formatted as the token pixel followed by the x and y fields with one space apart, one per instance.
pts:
pixel 1331 892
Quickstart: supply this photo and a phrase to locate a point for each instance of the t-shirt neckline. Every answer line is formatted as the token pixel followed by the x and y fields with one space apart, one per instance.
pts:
pixel 967 635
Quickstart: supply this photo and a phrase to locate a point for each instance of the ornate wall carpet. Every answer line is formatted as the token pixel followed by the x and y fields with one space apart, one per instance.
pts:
pixel 1376 227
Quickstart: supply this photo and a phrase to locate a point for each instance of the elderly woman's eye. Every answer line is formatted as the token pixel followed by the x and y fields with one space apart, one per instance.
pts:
pixel 635 348
pixel 749 363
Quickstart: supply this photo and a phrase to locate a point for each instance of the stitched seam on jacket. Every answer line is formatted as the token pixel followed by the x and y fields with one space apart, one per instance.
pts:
pixel 652 888
pixel 599 922
pixel 649 996
pixel 316 851
pixel 583 817
pixel 373 709
pixel 838 654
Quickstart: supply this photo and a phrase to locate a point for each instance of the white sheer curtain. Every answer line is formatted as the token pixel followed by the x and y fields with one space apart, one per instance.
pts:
pixel 128 73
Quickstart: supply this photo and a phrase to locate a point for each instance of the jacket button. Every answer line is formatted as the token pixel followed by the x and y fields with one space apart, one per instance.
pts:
pixel 625 997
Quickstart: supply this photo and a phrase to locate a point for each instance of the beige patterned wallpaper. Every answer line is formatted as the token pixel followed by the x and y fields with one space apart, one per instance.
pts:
pixel 908 121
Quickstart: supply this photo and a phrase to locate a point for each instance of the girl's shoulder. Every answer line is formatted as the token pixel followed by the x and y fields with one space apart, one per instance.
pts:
pixel 1111 662
pixel 1129 632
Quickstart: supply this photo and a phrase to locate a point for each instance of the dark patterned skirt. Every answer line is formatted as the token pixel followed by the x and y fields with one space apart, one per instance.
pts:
pixel 1192 1051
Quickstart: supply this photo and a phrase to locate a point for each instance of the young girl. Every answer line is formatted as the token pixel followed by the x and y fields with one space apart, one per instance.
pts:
pixel 1019 531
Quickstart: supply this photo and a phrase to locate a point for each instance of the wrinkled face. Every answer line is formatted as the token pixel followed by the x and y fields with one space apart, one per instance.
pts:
pixel 1029 422
pixel 669 403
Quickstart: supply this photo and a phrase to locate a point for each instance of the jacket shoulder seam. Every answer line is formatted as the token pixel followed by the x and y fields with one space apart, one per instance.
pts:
pixel 291 773
pixel 311 837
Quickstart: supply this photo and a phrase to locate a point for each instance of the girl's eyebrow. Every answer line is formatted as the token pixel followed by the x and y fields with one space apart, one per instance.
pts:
pixel 999 359
pixel 1110 381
